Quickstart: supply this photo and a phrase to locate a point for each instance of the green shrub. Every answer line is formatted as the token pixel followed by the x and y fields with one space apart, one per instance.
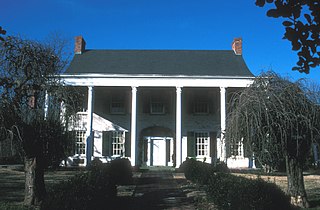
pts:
pixel 92 189
pixel 121 171
pixel 238 193
pixel 200 172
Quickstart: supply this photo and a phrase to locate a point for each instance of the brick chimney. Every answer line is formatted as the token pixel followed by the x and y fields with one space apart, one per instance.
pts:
pixel 237 46
pixel 79 45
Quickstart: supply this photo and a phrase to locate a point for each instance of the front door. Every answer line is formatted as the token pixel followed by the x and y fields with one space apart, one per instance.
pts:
pixel 159 151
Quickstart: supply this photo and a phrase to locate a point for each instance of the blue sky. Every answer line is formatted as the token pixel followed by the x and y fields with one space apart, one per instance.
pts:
pixel 158 24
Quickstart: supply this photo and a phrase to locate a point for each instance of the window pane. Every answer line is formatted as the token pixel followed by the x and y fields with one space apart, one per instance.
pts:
pixel 201 107
pixel 118 140
pixel 202 143
pixel 157 108
pixel 80 146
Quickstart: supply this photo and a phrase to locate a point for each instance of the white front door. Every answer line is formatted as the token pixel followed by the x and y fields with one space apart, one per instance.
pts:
pixel 159 151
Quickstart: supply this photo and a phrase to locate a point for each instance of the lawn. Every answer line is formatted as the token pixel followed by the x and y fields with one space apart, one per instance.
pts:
pixel 12 184
pixel 311 181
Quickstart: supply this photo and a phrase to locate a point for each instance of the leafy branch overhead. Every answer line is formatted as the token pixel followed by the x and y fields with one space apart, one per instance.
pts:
pixel 302 28
pixel 2 32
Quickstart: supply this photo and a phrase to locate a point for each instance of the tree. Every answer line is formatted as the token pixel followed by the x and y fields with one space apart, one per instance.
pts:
pixel 2 32
pixel 302 28
pixel 279 119
pixel 29 85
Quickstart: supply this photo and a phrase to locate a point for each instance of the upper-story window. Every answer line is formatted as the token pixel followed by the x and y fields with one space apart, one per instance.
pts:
pixel 117 105
pixel 157 104
pixel 157 107
pixel 201 107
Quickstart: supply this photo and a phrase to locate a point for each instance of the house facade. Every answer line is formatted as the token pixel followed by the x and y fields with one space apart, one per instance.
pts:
pixel 157 107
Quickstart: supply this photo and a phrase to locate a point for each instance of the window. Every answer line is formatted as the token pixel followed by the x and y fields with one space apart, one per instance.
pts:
pixel 118 140
pixel 117 107
pixel 80 146
pixel 201 107
pixel 157 108
pixel 202 143
pixel 236 148
pixel 113 143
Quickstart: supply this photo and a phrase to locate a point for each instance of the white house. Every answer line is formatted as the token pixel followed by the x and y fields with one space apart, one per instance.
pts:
pixel 158 107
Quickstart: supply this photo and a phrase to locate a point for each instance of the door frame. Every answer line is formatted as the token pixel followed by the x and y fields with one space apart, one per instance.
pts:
pixel 169 149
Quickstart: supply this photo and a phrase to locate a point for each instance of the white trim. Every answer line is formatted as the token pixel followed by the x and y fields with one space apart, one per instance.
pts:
pixel 46 105
pixel 89 134
pixel 158 81
pixel 133 124
pixel 178 127
pixel 223 122
pixel 148 76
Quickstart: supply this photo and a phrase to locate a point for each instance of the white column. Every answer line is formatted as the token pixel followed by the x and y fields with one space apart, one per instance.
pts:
pixel 223 123
pixel 133 124
pixel 63 113
pixel 89 133
pixel 178 127
pixel 46 105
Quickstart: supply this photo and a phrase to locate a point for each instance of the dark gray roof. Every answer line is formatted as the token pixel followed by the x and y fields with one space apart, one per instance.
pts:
pixel 160 62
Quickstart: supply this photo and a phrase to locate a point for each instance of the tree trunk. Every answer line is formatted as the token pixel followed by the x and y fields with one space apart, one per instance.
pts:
pixel 34 182
pixel 296 188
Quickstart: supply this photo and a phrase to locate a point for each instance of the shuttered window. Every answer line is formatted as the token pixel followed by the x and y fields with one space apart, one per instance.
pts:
pixel 115 143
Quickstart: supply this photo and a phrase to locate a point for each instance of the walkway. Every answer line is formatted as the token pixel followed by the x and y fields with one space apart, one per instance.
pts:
pixel 158 190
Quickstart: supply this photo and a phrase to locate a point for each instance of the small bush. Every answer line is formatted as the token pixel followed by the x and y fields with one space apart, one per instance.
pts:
pixel 121 171
pixel 231 192
pixel 92 189
pixel 238 193
pixel 200 172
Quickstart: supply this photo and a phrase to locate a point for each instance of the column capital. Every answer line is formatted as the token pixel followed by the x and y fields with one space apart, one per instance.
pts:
pixel 222 88
pixel 134 88
pixel 178 89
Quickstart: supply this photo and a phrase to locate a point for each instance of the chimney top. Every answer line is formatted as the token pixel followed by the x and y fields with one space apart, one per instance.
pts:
pixel 237 46
pixel 79 45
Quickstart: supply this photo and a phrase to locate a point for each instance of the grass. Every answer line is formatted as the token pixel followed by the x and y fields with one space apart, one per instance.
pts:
pixel 12 185
pixel 311 181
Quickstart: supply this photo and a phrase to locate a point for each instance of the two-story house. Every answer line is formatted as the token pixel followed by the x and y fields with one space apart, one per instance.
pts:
pixel 157 107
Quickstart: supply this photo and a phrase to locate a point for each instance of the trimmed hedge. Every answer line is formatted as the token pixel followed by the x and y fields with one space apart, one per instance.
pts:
pixel 230 192
pixel 92 189
pixel 200 172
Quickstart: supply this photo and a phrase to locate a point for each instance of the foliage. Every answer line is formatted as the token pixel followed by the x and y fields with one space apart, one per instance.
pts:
pixel 2 32
pixel 302 27
pixel 28 72
pixel 34 107
pixel 8 206
pixel 121 171
pixel 276 118
pixel 200 172
pixel 91 189
pixel 233 192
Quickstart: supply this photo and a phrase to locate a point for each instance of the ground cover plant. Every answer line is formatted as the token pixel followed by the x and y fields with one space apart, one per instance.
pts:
pixel 228 191
pixel 92 189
